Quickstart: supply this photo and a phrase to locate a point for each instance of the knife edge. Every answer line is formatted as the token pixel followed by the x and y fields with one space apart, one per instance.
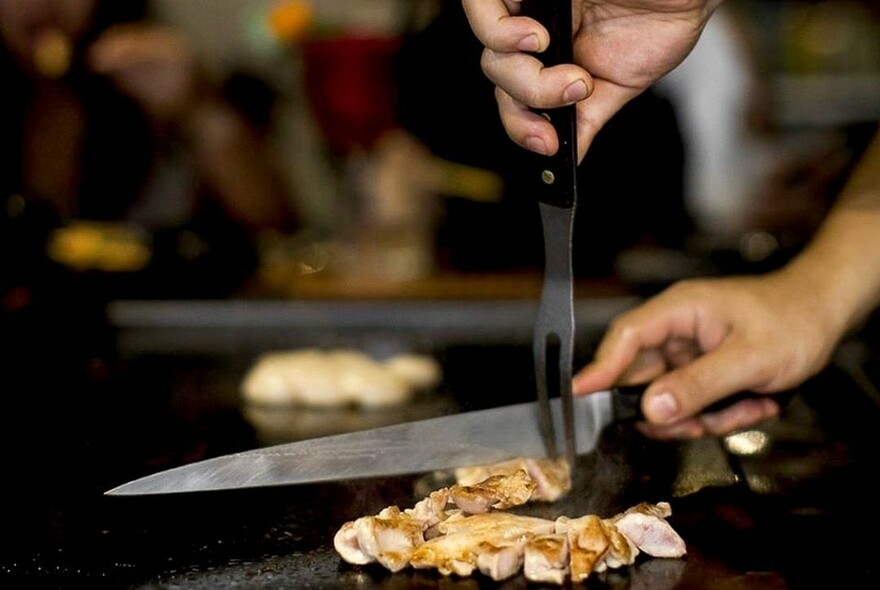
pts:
pixel 447 442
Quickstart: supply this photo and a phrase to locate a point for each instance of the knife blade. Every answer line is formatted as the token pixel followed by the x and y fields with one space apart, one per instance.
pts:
pixel 555 186
pixel 460 440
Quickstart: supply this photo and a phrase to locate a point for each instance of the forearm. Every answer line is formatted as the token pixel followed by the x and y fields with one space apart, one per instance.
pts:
pixel 842 262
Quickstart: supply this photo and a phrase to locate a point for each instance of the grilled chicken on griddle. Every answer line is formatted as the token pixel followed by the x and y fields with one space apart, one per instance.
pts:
pixel 463 528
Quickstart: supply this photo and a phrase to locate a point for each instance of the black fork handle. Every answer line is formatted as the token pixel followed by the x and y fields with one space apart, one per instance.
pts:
pixel 557 184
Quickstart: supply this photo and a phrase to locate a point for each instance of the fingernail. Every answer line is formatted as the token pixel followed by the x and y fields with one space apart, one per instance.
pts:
pixel 575 91
pixel 529 43
pixel 536 144
pixel 662 407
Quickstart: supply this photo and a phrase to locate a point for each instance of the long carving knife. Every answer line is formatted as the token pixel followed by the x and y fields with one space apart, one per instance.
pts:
pixel 461 440
pixel 555 185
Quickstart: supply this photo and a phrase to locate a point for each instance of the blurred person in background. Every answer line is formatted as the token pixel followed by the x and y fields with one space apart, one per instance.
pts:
pixel 123 173
pixel 108 117
pixel 702 339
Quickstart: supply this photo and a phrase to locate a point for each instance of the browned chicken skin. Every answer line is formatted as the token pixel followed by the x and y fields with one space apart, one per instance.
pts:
pixel 496 491
pixel 478 535
pixel 546 559
pixel 552 477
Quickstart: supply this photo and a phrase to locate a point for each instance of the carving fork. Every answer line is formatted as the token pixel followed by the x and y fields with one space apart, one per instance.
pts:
pixel 556 188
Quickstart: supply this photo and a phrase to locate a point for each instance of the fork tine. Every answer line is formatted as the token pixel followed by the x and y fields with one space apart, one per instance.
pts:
pixel 567 403
pixel 553 373
pixel 554 331
pixel 545 414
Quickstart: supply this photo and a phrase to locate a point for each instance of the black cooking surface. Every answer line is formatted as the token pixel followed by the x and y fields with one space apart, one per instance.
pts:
pixel 788 516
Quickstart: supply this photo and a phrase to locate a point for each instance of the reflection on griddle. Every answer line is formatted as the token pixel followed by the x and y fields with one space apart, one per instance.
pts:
pixel 277 425
pixel 651 574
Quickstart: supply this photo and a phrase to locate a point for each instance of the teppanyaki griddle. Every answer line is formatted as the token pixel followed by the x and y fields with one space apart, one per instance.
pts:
pixel 749 521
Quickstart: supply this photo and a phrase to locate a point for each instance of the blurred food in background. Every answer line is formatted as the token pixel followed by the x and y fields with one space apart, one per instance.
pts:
pixel 109 118
pixel 338 378
pixel 103 246
pixel 313 391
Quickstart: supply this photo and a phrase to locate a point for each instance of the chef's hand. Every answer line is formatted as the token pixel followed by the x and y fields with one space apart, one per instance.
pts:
pixel 702 340
pixel 153 65
pixel 621 47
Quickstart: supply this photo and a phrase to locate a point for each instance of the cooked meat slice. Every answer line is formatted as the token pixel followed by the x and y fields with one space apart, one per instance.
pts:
pixel 457 549
pixel 430 510
pixel 390 537
pixel 448 554
pixel 587 544
pixel 621 551
pixel 442 525
pixel 545 559
pixel 552 476
pixel 660 510
pixel 346 544
pixel 500 563
pixel 497 491
pixel 473 535
pixel 452 522
pixel 646 526
pixel 512 525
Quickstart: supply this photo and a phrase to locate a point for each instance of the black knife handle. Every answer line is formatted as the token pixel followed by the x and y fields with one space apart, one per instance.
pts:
pixel 556 184
pixel 627 401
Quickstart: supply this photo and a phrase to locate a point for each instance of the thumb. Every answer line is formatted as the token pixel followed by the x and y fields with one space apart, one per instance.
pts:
pixel 685 391
pixel 597 109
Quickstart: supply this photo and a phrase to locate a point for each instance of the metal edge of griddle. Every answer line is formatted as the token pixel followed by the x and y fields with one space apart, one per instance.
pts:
pixel 233 325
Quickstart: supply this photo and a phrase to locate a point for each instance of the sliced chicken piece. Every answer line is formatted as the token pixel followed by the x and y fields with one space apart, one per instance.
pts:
pixel 645 526
pixel 347 546
pixel 497 491
pixel 621 551
pixel 587 544
pixel 448 516
pixel 500 544
pixel 545 559
pixel 390 537
pixel 513 525
pixel 552 476
pixel 448 555
pixel 430 510
pixel 500 563
pixel 660 509
pixel 458 548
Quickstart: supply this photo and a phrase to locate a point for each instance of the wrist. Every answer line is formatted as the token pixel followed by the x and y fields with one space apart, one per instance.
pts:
pixel 839 270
